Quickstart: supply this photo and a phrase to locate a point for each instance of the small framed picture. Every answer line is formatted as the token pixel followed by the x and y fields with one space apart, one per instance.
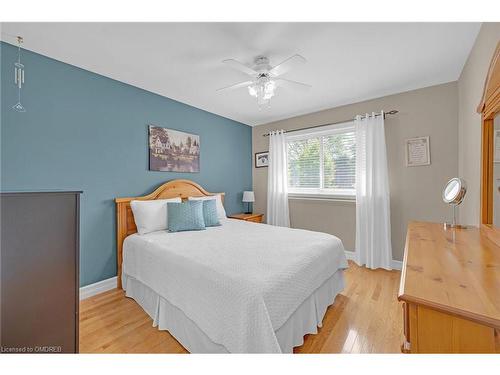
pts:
pixel 418 152
pixel 262 159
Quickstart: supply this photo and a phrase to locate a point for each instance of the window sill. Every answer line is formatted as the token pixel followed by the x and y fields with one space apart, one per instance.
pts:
pixel 323 197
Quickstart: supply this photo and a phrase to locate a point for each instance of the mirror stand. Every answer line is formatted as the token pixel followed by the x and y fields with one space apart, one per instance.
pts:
pixel 453 224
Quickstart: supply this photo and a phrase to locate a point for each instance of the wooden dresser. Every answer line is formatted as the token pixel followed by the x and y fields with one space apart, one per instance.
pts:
pixel 39 299
pixel 450 288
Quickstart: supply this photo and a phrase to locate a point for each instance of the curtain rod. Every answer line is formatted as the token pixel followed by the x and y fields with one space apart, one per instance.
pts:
pixel 391 112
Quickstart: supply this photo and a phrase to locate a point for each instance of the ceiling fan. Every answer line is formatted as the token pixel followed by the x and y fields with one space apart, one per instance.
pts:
pixel 265 78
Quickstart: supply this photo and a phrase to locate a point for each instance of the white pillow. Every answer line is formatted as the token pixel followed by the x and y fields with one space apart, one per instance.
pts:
pixel 151 216
pixel 221 212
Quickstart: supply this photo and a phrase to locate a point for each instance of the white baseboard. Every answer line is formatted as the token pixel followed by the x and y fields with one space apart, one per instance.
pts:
pixel 395 264
pixel 350 255
pixel 98 287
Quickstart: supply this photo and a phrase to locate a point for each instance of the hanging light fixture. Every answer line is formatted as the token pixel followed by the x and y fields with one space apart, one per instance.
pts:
pixel 263 89
pixel 264 79
pixel 19 77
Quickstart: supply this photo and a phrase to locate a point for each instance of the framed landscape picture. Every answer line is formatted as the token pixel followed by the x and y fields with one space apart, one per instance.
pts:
pixel 173 151
pixel 262 159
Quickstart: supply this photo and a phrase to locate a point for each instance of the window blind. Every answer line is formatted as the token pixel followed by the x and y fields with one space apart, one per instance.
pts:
pixel 323 162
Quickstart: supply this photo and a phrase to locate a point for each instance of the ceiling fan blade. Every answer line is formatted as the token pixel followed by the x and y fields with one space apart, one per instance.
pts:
pixel 236 86
pixel 292 84
pixel 286 65
pixel 240 66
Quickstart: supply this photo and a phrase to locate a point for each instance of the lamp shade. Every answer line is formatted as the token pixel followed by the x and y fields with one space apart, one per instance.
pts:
pixel 248 196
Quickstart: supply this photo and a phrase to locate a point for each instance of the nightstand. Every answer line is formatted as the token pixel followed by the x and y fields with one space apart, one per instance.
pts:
pixel 256 218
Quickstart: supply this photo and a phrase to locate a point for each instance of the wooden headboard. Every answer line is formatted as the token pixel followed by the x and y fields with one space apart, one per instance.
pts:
pixel 125 223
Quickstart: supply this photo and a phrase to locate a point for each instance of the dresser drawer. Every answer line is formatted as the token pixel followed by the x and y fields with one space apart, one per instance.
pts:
pixel 431 331
pixel 405 346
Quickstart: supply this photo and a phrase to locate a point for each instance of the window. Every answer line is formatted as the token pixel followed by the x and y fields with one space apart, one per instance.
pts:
pixel 322 162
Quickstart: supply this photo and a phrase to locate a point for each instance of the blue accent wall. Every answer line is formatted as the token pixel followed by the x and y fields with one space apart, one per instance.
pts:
pixel 83 131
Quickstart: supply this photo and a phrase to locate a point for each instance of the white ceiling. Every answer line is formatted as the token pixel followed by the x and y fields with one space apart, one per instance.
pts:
pixel 347 62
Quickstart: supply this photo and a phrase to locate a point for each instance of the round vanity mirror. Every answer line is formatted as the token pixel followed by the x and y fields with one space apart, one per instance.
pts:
pixel 454 193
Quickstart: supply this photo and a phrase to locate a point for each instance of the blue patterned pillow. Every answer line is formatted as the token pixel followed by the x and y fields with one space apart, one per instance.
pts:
pixel 185 216
pixel 210 213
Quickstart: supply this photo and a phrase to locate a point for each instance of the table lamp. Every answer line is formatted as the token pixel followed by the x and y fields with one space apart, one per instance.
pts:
pixel 248 197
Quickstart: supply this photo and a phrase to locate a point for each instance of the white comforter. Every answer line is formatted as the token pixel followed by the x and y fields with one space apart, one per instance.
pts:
pixel 239 282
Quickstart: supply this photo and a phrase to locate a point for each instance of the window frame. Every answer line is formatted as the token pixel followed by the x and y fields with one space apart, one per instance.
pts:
pixel 348 195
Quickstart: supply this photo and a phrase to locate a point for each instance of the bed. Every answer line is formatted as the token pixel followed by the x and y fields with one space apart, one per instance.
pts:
pixel 237 288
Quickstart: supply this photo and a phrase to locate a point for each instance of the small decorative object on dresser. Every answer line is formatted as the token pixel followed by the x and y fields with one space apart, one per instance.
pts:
pixel 262 159
pixel 256 218
pixel 248 197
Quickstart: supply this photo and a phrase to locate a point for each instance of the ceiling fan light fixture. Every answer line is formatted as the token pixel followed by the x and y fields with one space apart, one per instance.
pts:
pixel 263 89
pixel 264 78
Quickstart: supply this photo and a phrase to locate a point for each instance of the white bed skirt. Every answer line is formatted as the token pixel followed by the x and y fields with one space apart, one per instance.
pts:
pixel 305 320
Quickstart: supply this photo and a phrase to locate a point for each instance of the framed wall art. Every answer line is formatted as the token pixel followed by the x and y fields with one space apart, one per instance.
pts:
pixel 173 151
pixel 261 159
pixel 418 151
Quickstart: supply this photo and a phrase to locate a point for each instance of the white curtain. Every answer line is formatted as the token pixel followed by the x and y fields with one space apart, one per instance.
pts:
pixel 277 184
pixel 373 224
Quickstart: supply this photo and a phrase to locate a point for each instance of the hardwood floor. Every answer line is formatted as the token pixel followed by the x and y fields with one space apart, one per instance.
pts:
pixel 365 318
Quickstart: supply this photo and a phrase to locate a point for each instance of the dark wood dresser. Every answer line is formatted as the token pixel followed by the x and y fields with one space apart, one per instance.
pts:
pixel 450 288
pixel 39 272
